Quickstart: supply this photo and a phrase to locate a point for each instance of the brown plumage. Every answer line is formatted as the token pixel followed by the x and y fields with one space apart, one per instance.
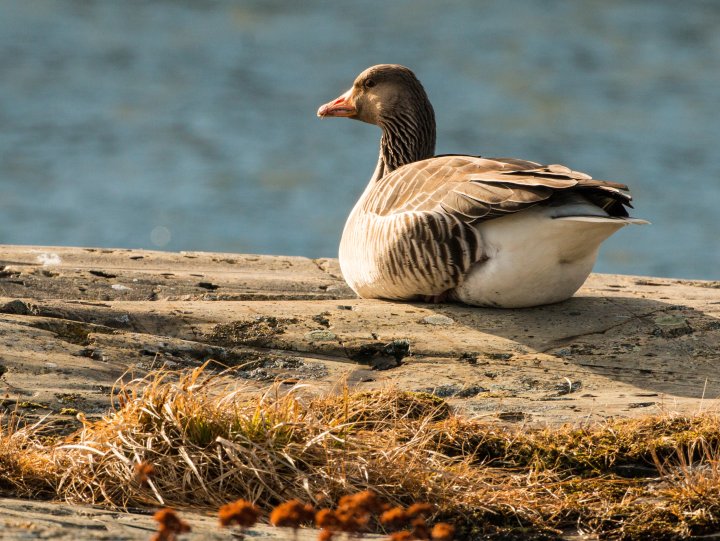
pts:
pixel 497 232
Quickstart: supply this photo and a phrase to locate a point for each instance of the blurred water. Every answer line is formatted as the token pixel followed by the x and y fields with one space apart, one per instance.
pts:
pixel 190 125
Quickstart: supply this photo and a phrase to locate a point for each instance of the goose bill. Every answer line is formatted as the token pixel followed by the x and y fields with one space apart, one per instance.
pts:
pixel 339 107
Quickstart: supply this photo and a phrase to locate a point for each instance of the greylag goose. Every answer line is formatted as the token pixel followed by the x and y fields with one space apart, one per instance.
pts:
pixel 494 232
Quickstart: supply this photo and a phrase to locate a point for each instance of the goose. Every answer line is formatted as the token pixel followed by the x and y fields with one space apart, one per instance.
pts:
pixel 493 232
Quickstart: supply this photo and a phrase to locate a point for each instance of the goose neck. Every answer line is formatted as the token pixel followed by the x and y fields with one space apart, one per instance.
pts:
pixel 407 137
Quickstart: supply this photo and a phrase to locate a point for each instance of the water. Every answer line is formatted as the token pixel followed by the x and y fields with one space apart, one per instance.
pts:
pixel 190 125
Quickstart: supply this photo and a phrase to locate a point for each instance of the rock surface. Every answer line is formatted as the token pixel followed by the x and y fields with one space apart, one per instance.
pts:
pixel 73 320
pixel 21 519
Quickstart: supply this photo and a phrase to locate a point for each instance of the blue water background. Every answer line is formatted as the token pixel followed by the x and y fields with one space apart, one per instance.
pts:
pixel 190 125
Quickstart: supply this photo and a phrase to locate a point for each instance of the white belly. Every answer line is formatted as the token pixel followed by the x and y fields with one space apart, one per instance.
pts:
pixel 534 259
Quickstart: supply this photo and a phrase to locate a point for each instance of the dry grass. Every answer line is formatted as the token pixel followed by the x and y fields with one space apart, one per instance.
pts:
pixel 27 462
pixel 207 442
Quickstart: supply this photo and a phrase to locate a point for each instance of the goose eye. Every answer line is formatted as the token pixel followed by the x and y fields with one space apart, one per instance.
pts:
pixel 369 83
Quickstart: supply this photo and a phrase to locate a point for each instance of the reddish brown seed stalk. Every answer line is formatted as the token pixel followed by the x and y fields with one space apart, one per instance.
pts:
pixel 241 513
pixel 423 510
pixel 143 472
pixel 291 514
pixel 394 518
pixel 420 528
pixel 170 525
pixel 328 519
pixel 442 531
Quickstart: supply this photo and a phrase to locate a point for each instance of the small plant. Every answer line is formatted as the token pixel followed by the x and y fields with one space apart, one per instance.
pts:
pixel 442 531
pixel 326 535
pixel 420 510
pixel 328 520
pixel 354 513
pixel 170 525
pixel 354 510
pixel 395 518
pixel 143 472
pixel 241 513
pixel 292 514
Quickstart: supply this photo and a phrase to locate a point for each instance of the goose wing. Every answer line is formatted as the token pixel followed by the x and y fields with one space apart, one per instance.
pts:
pixel 473 189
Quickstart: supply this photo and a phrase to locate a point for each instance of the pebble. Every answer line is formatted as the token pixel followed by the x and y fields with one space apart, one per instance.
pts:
pixel 438 319
pixel 18 307
pixel 120 287
pixel 320 336
pixel 667 320
pixel 446 391
pixel 48 259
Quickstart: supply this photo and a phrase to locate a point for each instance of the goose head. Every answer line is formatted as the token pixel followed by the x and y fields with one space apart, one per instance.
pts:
pixel 391 97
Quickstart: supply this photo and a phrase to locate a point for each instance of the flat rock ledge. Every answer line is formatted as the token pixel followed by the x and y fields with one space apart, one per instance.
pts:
pixel 74 320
